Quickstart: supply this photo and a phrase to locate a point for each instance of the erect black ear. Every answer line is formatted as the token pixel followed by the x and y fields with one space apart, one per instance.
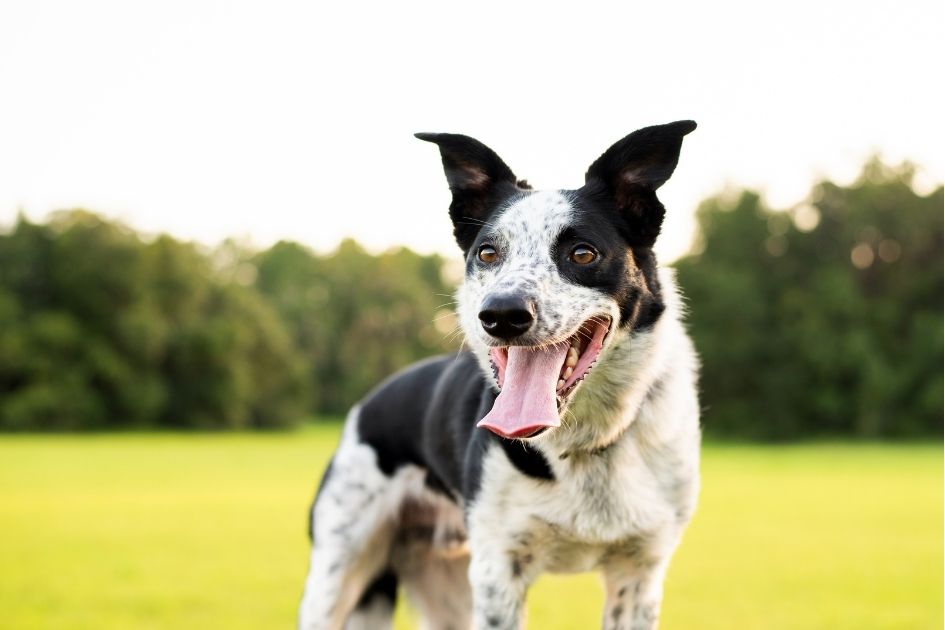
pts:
pixel 478 179
pixel 633 168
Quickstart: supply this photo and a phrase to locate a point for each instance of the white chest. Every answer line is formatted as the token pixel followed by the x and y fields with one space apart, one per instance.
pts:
pixel 597 505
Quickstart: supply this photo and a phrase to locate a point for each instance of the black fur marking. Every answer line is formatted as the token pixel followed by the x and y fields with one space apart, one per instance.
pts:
pixel 478 179
pixel 633 169
pixel 519 562
pixel 437 485
pixel 426 416
pixel 652 306
pixel 528 460
pixel 628 274
pixel 391 417
pixel 384 586
pixel 616 613
pixel 423 533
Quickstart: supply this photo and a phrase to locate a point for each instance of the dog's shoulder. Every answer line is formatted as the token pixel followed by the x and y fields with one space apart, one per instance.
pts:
pixel 391 416
pixel 425 415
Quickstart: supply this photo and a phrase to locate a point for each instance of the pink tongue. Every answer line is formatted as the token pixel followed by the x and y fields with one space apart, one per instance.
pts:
pixel 527 400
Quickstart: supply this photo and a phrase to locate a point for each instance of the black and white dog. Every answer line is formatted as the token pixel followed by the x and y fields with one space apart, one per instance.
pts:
pixel 565 439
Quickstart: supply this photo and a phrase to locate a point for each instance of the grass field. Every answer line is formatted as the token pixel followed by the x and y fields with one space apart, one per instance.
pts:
pixel 207 531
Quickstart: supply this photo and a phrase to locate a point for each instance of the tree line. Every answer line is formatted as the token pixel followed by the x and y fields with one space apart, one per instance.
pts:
pixel 821 320
pixel 102 329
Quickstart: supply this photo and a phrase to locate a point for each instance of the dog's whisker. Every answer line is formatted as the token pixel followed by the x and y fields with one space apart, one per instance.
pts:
pixel 452 335
pixel 475 221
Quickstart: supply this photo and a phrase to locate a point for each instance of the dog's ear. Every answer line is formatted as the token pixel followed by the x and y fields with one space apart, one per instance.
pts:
pixel 631 171
pixel 478 179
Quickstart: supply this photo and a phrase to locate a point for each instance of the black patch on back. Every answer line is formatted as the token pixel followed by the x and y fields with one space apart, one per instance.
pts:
pixel 450 421
pixel 426 416
pixel 391 417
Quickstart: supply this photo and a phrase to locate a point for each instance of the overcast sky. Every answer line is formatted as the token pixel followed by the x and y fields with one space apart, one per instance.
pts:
pixel 271 120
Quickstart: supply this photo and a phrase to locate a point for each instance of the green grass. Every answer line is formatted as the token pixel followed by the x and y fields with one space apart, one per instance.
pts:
pixel 207 531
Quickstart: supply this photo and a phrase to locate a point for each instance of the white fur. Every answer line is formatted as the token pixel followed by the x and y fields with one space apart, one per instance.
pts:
pixel 350 533
pixel 625 463
pixel 523 236
pixel 626 479
pixel 376 615
pixel 355 520
pixel 626 474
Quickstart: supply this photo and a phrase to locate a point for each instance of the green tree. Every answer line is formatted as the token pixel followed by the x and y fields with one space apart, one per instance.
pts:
pixel 358 317
pixel 824 320
pixel 99 330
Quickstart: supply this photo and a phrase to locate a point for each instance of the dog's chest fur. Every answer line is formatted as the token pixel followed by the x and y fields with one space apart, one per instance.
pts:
pixel 629 498
pixel 571 524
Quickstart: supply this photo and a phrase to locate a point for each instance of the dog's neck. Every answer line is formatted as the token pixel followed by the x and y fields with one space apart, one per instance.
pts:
pixel 627 375
pixel 608 401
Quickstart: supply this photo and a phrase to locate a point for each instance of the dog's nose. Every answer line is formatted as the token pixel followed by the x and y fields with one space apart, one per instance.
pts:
pixel 506 316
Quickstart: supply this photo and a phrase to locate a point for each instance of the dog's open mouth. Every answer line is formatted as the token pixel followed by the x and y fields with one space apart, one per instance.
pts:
pixel 536 381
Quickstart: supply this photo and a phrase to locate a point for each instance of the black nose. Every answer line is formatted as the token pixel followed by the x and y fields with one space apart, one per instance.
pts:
pixel 506 316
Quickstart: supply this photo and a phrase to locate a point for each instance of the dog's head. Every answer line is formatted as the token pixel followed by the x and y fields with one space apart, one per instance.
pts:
pixel 553 277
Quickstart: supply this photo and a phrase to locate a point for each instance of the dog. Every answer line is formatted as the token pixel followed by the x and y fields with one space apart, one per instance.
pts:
pixel 565 438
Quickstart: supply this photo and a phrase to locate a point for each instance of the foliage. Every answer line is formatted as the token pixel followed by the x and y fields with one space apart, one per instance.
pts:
pixel 358 318
pixel 100 330
pixel 826 319
pixel 822 320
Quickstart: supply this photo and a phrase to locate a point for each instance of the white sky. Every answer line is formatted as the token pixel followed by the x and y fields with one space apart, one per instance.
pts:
pixel 273 120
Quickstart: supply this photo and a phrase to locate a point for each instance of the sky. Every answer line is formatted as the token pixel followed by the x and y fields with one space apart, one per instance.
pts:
pixel 275 120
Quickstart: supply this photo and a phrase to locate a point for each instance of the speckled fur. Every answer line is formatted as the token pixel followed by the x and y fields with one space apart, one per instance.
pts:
pixel 625 460
pixel 524 235
pixel 622 469
pixel 364 521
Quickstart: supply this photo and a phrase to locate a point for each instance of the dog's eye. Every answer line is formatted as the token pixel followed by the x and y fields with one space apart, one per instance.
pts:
pixel 583 255
pixel 487 254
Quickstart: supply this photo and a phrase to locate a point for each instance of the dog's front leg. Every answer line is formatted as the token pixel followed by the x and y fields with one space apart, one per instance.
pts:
pixel 634 590
pixel 498 592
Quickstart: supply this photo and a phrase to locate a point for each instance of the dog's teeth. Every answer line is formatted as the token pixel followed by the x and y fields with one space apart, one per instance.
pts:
pixel 560 383
pixel 572 359
pixel 568 371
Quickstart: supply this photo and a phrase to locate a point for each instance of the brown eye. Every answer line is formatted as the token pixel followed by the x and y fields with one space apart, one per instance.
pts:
pixel 487 254
pixel 583 255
